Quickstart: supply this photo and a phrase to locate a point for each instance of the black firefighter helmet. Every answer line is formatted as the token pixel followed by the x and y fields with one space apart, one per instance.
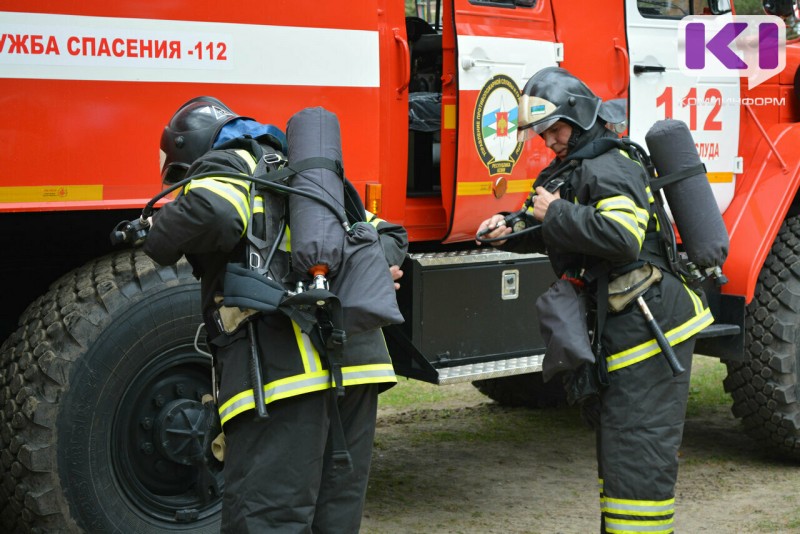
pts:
pixel 190 133
pixel 779 8
pixel 554 94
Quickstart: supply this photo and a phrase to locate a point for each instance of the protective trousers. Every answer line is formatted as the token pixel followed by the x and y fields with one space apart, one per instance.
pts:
pixel 641 426
pixel 279 473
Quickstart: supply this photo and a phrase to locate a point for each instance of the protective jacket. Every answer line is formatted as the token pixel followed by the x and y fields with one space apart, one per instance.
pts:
pixel 605 222
pixel 208 222
pixel 605 217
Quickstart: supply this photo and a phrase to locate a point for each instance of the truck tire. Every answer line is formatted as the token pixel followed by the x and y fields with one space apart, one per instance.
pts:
pixel 766 388
pixel 100 413
pixel 528 390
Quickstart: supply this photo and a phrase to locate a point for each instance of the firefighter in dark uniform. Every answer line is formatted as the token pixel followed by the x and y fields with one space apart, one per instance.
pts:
pixel 281 474
pixel 602 217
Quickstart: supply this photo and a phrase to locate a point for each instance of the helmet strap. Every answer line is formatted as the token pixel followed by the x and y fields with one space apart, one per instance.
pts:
pixel 575 136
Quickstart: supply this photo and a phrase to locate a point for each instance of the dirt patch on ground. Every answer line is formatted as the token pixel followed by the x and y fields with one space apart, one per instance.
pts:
pixel 472 466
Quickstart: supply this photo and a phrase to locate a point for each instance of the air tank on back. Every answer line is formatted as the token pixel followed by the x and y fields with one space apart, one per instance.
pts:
pixel 691 200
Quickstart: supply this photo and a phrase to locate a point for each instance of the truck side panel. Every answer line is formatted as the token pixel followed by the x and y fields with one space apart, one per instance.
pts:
pixel 94 89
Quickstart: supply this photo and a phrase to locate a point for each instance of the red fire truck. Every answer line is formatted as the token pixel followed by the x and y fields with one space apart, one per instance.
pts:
pixel 100 378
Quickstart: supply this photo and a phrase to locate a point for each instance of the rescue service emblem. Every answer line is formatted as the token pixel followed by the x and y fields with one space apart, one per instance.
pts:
pixel 495 125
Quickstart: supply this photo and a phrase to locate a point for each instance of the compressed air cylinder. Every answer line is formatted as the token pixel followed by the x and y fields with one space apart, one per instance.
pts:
pixel 691 201
pixel 357 267
pixel 317 236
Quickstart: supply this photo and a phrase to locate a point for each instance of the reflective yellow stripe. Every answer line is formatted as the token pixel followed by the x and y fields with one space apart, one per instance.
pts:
pixel 627 224
pixel 695 298
pixel 642 216
pixel 638 508
pixel 616 203
pixel 650 348
pixel 286 244
pixel 368 374
pixel 233 196
pixel 624 153
pixel 258 204
pixel 624 211
pixel 248 158
pixel 630 526
pixel 222 179
pixel 373 219
pixel 658 223
pixel 226 189
pixel 236 405
pixel 297 385
pixel 308 353
pixel 279 389
pixel 650 198
pixel 307 383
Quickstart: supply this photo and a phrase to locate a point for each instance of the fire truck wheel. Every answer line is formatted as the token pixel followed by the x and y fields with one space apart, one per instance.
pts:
pixel 766 388
pixel 100 414
pixel 527 390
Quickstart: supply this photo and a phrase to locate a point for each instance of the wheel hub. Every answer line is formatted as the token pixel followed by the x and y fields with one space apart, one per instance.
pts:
pixel 180 430
pixel 158 433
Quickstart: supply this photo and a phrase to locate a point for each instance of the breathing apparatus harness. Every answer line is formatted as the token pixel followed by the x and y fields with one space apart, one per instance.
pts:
pixel 522 222
pixel 271 175
pixel 316 310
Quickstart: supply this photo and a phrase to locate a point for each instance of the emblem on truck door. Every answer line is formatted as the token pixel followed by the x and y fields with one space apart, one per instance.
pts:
pixel 495 124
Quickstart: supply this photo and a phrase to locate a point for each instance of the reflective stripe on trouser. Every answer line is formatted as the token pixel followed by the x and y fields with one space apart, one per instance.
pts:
pixel 306 383
pixel 291 366
pixel 279 473
pixel 641 427
pixel 679 334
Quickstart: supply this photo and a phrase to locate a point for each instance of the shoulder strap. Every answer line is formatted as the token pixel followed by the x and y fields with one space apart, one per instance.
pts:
pixel 263 239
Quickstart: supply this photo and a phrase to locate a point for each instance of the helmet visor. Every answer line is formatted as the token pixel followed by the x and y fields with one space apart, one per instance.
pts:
pixel 524 134
pixel 533 130
pixel 536 114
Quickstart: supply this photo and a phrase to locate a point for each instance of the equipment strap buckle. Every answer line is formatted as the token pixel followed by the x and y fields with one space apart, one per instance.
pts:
pixel 272 158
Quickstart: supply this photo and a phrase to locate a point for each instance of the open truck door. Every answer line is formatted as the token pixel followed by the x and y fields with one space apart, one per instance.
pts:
pixel 499 45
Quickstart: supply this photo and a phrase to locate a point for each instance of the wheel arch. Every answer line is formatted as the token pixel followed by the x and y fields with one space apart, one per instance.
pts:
pixel 764 194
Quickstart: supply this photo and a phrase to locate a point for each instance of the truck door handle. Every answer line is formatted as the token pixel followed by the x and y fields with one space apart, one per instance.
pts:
pixel 405 61
pixel 625 63
pixel 469 62
pixel 641 69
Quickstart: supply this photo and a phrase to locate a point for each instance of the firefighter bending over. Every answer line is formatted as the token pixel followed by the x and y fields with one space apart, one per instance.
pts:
pixel 285 470
pixel 592 213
